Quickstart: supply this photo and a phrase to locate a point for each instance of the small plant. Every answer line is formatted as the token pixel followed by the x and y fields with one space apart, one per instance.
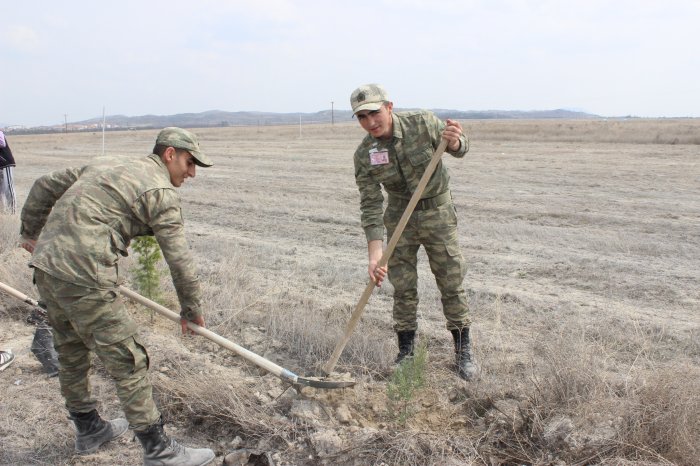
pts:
pixel 146 274
pixel 407 379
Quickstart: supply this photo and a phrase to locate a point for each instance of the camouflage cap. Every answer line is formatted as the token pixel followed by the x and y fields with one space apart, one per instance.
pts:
pixel 368 97
pixel 182 139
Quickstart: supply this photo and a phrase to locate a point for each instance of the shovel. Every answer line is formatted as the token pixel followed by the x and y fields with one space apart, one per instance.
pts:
pixel 249 356
pixel 42 344
pixel 359 309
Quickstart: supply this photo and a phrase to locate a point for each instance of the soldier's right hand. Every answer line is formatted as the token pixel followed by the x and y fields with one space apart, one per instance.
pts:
pixel 376 273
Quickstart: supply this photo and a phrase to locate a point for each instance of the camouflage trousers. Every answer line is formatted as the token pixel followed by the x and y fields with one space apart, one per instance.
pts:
pixel 436 230
pixel 87 321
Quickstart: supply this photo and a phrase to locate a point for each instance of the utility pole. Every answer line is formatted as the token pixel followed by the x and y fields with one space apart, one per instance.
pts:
pixel 103 130
pixel 65 123
pixel 332 117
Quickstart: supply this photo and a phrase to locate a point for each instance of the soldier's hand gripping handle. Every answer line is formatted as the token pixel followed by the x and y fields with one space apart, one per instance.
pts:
pixel 197 320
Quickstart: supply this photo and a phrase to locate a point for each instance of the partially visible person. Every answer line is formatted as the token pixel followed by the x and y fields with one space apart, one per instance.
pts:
pixel 394 155
pixel 6 358
pixel 8 201
pixel 77 223
pixel 42 344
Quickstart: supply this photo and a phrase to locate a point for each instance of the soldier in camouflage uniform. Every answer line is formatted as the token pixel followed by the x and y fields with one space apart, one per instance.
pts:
pixel 77 223
pixel 395 154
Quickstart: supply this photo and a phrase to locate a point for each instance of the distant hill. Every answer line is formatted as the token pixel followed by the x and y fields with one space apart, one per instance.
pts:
pixel 213 118
pixel 222 118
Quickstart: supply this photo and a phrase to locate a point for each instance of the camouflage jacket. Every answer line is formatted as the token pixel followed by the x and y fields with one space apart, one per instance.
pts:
pixel 416 136
pixel 84 219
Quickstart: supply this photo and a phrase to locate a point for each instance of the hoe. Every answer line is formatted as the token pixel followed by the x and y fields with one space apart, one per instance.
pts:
pixel 249 356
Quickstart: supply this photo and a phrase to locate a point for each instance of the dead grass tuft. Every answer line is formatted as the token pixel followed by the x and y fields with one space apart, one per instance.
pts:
pixel 218 403
pixel 413 448
pixel 310 336
pixel 570 372
pixel 662 417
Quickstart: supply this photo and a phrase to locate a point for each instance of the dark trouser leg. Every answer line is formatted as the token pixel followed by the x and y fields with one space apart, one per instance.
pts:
pixel 43 349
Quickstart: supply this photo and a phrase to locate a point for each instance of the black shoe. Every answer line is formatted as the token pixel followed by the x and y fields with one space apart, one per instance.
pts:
pixel 93 431
pixel 406 338
pixel 466 365
pixel 159 450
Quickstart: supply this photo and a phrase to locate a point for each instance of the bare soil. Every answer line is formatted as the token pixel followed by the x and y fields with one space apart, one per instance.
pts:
pixel 582 241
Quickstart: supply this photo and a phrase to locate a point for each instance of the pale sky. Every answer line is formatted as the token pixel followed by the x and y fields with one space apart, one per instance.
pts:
pixel 138 57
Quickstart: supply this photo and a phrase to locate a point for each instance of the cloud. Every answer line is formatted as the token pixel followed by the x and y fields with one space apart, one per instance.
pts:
pixel 135 57
pixel 20 39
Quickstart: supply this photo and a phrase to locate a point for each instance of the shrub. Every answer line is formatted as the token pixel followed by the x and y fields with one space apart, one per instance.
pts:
pixel 407 379
pixel 146 273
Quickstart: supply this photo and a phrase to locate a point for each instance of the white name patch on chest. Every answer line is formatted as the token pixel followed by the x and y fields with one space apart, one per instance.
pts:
pixel 378 157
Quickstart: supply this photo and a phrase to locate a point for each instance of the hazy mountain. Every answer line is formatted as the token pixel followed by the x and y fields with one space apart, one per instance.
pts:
pixel 213 118
pixel 222 118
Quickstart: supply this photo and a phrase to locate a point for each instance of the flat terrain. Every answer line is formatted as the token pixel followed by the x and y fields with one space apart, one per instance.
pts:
pixel 582 240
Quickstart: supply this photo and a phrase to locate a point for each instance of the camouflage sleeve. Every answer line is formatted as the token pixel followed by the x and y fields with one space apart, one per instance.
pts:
pixel 439 125
pixel 161 211
pixel 42 196
pixel 371 201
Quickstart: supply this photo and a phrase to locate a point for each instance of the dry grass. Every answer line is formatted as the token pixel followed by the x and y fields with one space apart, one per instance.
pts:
pixel 615 131
pixel 663 416
pixel 187 395
pixel 582 243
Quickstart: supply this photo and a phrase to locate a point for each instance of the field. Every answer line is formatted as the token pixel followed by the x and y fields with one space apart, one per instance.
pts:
pixel 582 240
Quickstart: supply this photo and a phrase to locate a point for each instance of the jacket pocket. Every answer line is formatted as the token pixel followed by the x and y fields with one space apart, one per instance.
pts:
pixel 115 332
pixel 421 156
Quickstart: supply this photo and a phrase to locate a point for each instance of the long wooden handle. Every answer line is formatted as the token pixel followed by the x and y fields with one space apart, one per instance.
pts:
pixel 216 338
pixel 359 309
pixel 19 295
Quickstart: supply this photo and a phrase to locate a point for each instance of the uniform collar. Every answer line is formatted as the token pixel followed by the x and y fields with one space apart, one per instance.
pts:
pixel 158 161
pixel 398 132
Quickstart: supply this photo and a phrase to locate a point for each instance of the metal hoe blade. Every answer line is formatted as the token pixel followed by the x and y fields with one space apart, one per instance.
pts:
pixel 323 383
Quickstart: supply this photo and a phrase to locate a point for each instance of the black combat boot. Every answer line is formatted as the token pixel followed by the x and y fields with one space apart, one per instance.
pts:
pixel 42 347
pixel 93 431
pixel 406 338
pixel 466 366
pixel 159 450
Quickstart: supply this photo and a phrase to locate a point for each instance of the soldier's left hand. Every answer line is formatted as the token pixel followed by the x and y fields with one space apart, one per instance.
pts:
pixel 183 323
pixel 27 244
pixel 452 132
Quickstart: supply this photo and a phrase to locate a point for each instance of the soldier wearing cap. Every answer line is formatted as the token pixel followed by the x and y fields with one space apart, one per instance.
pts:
pixel 394 155
pixel 77 223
